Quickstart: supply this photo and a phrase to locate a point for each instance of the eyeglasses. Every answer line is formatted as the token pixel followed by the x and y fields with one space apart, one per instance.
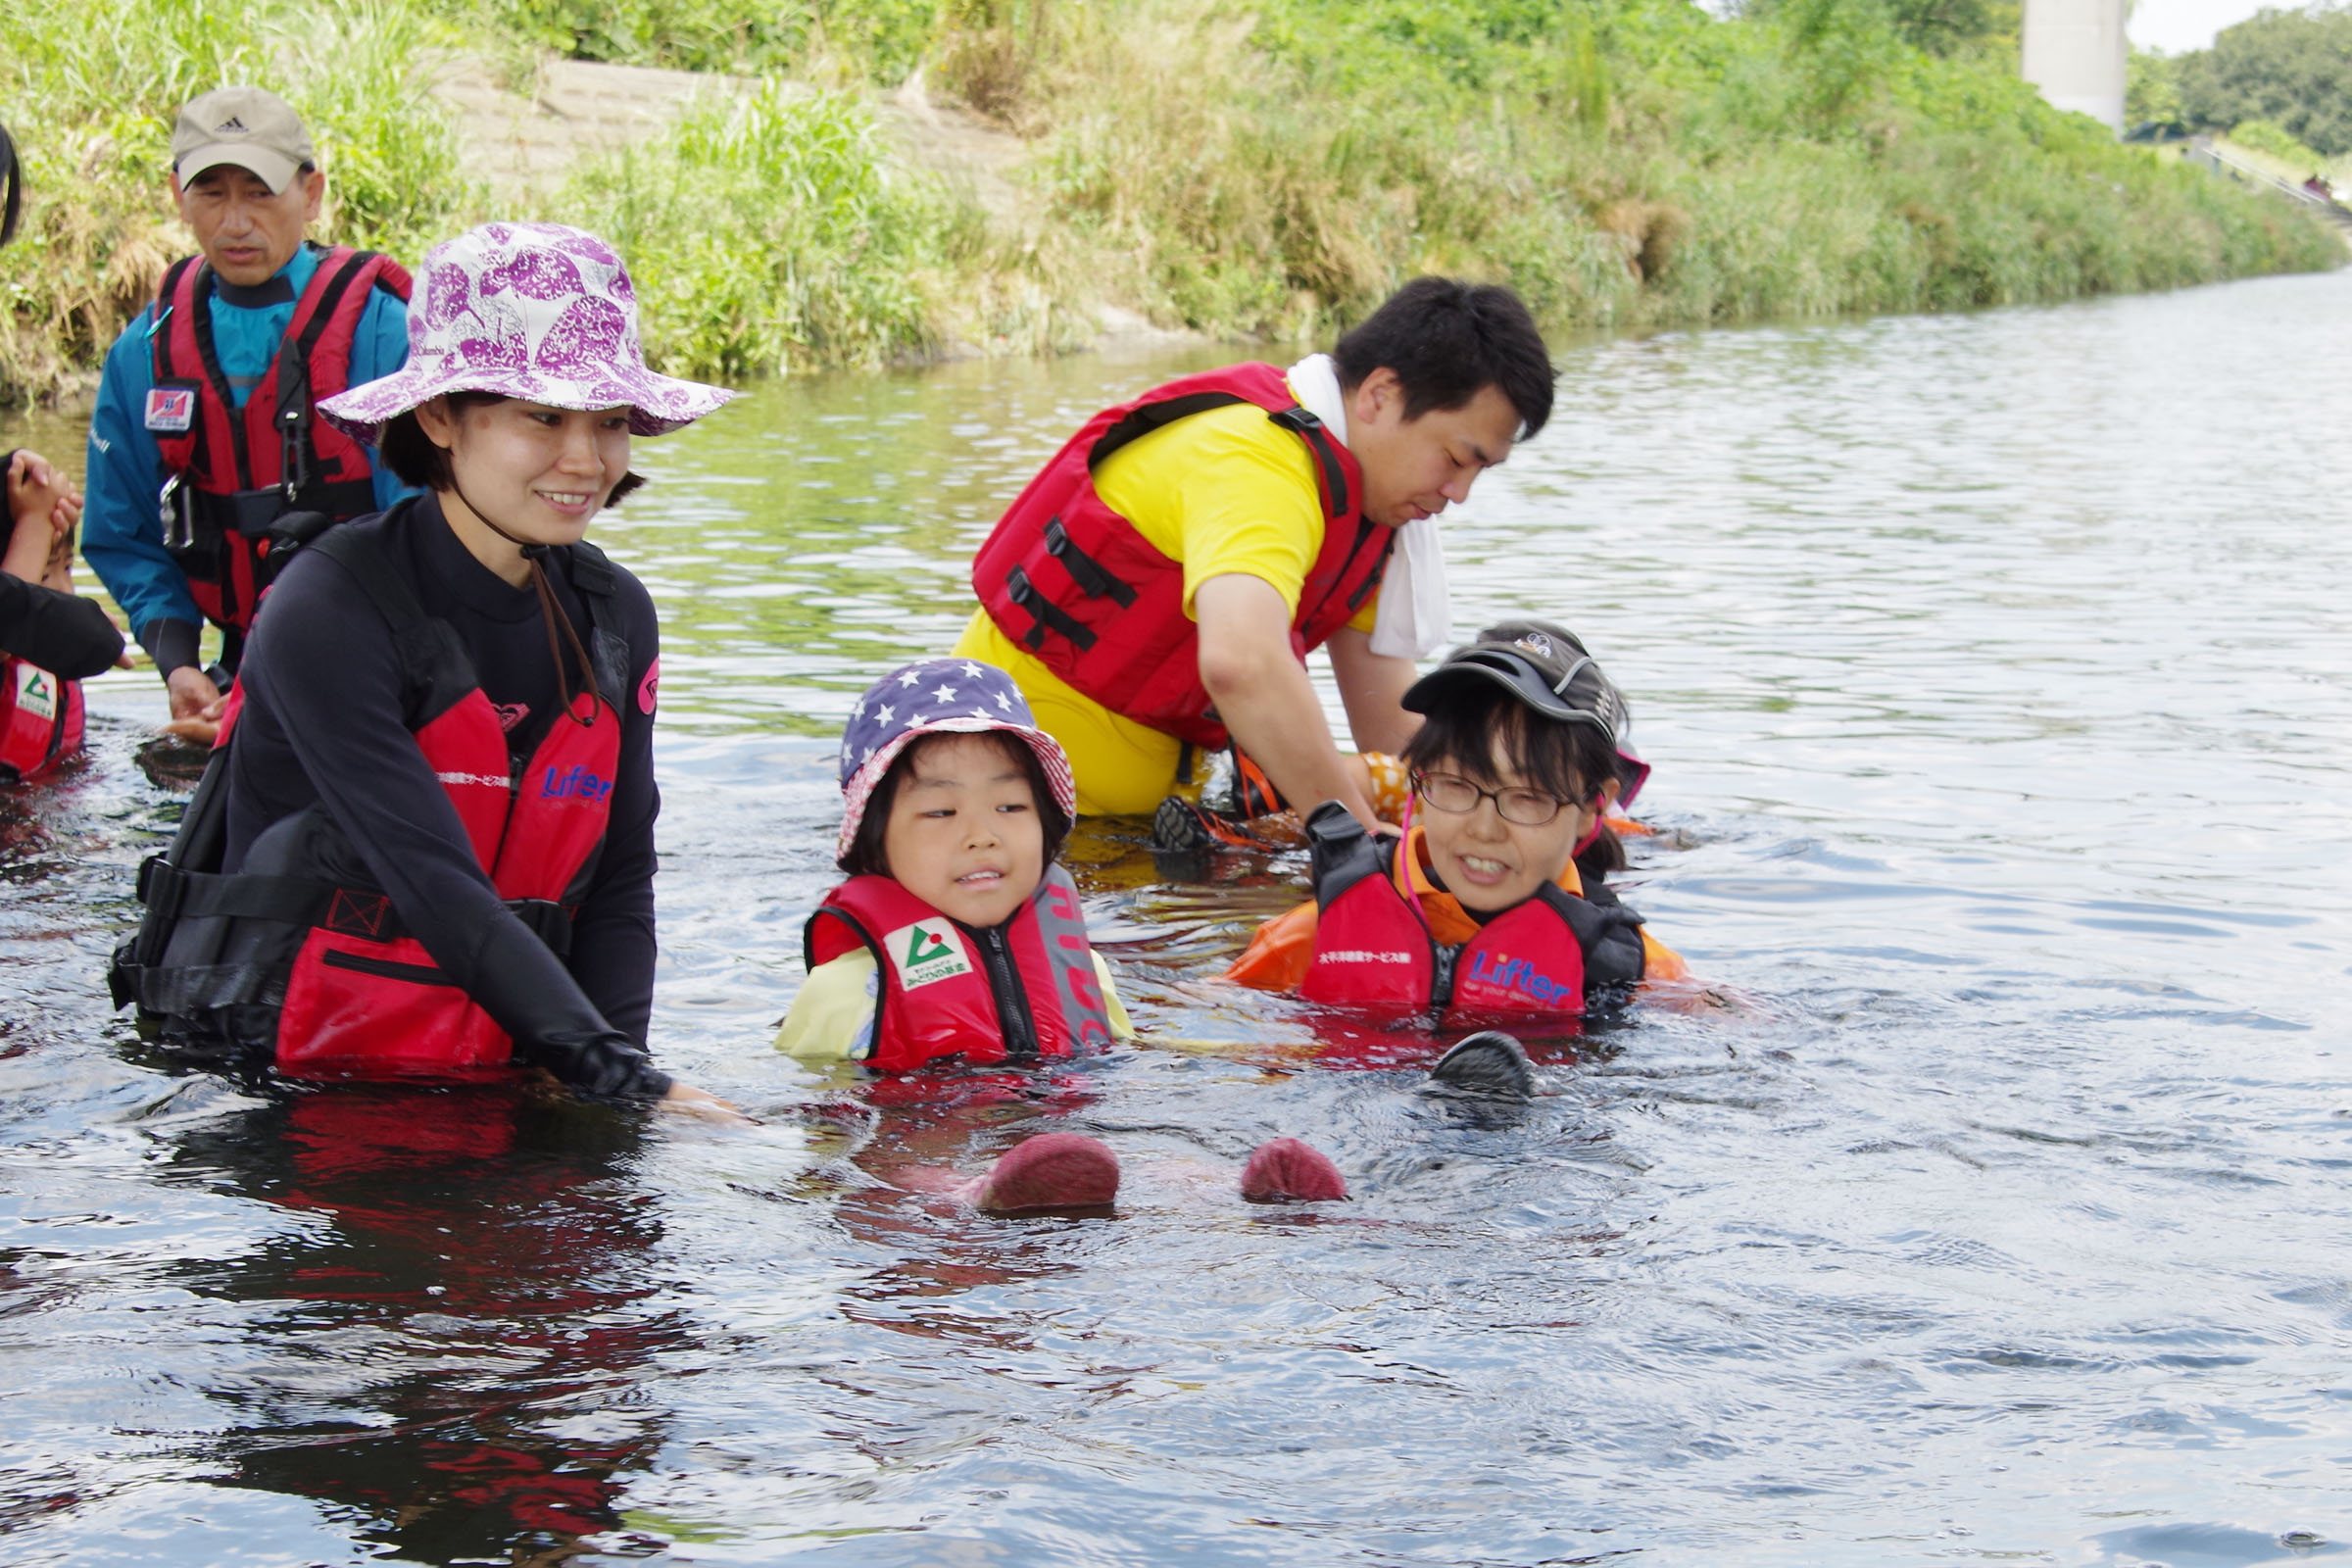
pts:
pixel 1450 792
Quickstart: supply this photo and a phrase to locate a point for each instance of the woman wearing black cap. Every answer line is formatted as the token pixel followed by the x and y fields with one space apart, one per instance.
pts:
pixel 1492 905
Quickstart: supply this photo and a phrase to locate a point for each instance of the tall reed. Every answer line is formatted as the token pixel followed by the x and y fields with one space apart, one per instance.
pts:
pixel 776 232
pixel 1643 164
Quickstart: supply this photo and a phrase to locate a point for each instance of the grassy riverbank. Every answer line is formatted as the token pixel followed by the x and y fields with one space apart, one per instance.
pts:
pixel 1256 172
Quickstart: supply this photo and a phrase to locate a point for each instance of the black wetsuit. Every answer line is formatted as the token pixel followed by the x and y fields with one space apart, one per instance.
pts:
pixel 322 723
pixel 64 635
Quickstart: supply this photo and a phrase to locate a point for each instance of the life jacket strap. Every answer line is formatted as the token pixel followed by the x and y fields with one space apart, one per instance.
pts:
pixel 1318 436
pixel 1141 422
pixel 1044 615
pixel 1093 578
pixel 1610 934
pixel 197 519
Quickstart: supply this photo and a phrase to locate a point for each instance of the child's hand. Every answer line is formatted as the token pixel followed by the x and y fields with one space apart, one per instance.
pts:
pixel 63 517
pixel 36 496
pixel 695 1101
pixel 37 491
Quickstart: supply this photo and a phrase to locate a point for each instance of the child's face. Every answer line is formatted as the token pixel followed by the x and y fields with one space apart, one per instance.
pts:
pixel 963 833
pixel 1490 864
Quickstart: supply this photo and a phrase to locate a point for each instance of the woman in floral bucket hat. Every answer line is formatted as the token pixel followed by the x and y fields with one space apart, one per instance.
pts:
pixel 425 846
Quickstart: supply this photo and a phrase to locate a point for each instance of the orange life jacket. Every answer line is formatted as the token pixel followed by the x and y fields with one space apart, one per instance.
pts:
pixel 1073 582
pixel 1380 936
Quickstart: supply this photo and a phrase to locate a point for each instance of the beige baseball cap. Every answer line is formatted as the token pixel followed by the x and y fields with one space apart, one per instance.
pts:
pixel 247 126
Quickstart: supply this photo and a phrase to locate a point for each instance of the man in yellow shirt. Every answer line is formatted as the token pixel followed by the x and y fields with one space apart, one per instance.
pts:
pixel 1162 579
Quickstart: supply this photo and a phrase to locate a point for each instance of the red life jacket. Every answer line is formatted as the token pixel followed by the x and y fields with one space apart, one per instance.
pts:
pixel 298 958
pixel 1074 582
pixel 40 721
pixel 1019 992
pixel 1551 957
pixel 231 473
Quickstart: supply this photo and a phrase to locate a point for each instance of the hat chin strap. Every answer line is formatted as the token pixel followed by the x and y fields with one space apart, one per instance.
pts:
pixel 551 612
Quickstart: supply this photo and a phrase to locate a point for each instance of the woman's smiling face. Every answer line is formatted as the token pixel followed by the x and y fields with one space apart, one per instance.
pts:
pixel 1488 862
pixel 963 833
pixel 540 473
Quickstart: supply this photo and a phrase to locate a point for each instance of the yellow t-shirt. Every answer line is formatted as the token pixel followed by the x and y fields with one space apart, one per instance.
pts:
pixel 1224 491
pixel 832 1020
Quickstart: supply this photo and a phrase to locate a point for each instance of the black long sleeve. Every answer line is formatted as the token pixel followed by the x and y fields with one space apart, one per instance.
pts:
pixel 323 724
pixel 64 635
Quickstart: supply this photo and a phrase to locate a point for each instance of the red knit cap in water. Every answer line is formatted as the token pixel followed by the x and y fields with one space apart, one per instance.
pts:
pixel 1053 1170
pixel 1288 1170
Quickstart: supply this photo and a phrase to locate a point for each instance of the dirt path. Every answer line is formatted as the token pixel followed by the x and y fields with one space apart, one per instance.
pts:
pixel 522 146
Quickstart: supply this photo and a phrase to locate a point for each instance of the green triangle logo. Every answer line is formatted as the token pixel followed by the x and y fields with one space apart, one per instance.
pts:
pixel 923 947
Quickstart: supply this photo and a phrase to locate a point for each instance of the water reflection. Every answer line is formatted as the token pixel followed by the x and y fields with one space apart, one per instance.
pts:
pixel 1996 671
pixel 448 1334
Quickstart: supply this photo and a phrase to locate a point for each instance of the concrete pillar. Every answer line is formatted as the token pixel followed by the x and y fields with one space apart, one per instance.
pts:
pixel 2075 54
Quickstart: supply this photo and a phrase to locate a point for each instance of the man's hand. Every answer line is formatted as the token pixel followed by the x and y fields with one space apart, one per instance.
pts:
pixel 1263 696
pixel 196 703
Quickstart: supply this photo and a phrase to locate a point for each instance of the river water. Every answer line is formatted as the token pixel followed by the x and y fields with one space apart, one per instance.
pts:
pixel 1997 669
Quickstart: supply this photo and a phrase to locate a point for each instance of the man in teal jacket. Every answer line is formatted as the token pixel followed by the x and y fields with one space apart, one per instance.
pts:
pixel 247 183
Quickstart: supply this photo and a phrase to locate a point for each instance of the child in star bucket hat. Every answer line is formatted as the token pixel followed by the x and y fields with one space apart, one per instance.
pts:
pixel 956 935
pixel 958 940
pixel 425 845
pixel 1492 907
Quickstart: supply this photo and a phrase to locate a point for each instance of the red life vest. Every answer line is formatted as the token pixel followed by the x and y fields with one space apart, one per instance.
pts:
pixel 1074 583
pixel 1551 957
pixel 295 957
pixel 40 721
pixel 1020 992
pixel 233 473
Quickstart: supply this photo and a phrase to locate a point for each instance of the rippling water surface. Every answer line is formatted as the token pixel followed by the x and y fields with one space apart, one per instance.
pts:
pixel 1998 675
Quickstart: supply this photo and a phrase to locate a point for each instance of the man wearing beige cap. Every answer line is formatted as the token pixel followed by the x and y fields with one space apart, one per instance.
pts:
pixel 205 449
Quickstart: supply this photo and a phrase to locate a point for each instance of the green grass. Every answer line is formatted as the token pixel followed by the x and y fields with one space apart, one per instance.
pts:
pixel 1642 164
pixel 773 232
pixel 1268 171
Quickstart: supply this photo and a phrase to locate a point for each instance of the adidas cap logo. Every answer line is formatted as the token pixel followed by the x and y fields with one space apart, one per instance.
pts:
pixel 232 122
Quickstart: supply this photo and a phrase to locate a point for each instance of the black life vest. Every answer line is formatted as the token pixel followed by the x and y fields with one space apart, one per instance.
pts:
pixel 40 721
pixel 297 958
pixel 1021 991
pixel 233 478
pixel 1552 956
pixel 1073 582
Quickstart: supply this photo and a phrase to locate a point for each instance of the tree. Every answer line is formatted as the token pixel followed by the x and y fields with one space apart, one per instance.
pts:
pixel 2292 68
pixel 2152 89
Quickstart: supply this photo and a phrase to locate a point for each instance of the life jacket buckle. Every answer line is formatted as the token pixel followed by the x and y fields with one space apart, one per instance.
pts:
pixel 177 516
pixel 294 453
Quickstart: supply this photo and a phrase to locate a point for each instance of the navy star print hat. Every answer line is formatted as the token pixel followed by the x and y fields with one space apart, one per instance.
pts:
pixel 938 697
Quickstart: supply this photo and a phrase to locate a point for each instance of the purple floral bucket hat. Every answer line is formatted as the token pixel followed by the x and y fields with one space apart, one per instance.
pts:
pixel 531 311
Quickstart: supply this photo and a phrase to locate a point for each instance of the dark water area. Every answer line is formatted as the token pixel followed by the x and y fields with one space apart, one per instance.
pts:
pixel 1998 671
